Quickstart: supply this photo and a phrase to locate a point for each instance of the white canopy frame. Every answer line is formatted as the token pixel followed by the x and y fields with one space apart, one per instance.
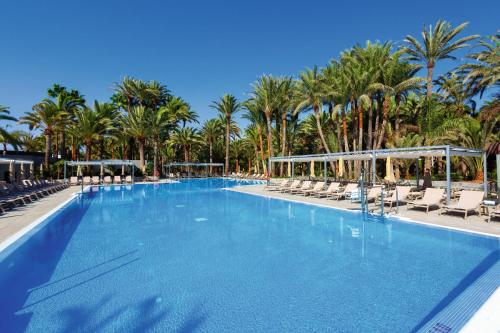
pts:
pixel 101 163
pixel 14 161
pixel 446 151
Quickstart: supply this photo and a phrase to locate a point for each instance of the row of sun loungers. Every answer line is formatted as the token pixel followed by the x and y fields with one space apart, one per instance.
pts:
pixel 469 200
pixel 26 192
pixel 96 180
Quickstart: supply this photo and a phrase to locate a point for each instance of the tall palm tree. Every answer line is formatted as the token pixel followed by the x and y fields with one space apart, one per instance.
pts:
pixel 212 130
pixel 136 124
pixel 46 116
pixel 91 125
pixel 397 79
pixel 186 137
pixel 485 71
pixel 227 106
pixel 286 91
pixel 255 115
pixel 310 95
pixel 437 44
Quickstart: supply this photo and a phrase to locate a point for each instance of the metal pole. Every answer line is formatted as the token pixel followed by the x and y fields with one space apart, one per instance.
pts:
pixel 133 172
pixel 498 173
pixel 324 168
pixel 362 193
pixel 65 171
pixel 418 176
pixel 374 168
pixel 448 176
pixel 293 169
pixel 485 173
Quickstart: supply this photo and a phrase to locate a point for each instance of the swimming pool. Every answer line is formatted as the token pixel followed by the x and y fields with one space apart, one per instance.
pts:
pixel 192 256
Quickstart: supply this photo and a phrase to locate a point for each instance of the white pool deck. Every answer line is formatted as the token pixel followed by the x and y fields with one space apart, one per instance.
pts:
pixel 15 223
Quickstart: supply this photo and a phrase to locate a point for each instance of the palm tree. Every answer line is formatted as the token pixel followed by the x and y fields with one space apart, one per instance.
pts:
pixel 212 130
pixel 310 94
pixel 186 137
pixel 227 106
pixel 266 95
pixel 46 115
pixel 397 79
pixel 91 125
pixel 286 90
pixel 255 115
pixel 454 94
pixel 437 44
pixel 5 136
pixel 485 72
pixel 136 124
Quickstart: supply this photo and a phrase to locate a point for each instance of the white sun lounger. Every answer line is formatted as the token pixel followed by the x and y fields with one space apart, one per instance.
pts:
pixel 318 187
pixel 347 190
pixel 332 188
pixel 74 181
pixel 117 179
pixel 400 196
pixel 86 180
pixel 432 197
pixel 293 186
pixel 468 201
pixel 305 186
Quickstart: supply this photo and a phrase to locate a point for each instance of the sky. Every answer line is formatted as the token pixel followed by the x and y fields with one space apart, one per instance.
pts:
pixel 199 49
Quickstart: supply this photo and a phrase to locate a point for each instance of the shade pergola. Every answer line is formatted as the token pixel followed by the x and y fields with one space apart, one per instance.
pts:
pixel 102 164
pixel 12 162
pixel 193 164
pixel 446 151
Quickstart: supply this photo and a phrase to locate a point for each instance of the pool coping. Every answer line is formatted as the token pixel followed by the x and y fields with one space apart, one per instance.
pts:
pixel 45 217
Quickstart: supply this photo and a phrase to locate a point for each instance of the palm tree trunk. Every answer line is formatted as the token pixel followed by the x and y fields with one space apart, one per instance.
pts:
pixel 377 123
pixel 317 115
pixel 270 151
pixel 384 121
pixel 261 144
pixel 63 145
pixel 48 147
pixel 257 166
pixel 396 124
pixel 141 154
pixel 155 157
pixel 430 71
pixel 228 123
pixel 73 149
pixel 283 140
pixel 88 150
pixel 346 142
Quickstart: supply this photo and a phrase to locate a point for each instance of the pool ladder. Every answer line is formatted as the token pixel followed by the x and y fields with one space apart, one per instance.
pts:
pixel 364 194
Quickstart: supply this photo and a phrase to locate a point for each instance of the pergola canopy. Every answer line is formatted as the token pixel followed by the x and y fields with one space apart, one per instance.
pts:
pixel 15 161
pixel 101 162
pixel 193 164
pixel 401 153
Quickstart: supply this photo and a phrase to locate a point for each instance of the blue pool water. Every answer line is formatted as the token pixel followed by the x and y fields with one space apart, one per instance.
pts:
pixel 195 257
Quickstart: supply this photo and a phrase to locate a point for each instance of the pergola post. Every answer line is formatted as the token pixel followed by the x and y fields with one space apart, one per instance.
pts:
pixel 324 168
pixel 448 176
pixel 293 169
pixel 133 172
pixel 65 171
pixel 498 172
pixel 485 173
pixel 374 168
pixel 417 170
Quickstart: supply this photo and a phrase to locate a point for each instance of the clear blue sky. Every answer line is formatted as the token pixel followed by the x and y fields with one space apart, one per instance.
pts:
pixel 201 49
